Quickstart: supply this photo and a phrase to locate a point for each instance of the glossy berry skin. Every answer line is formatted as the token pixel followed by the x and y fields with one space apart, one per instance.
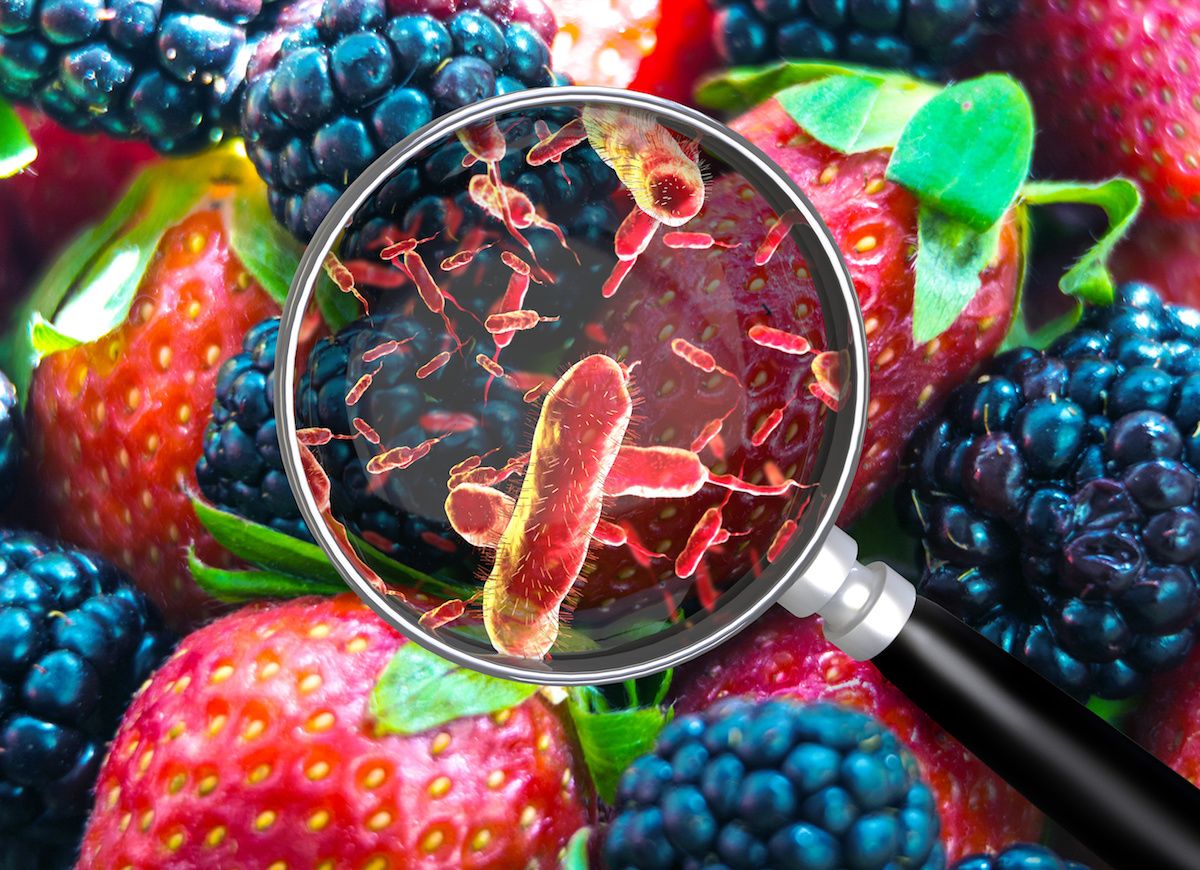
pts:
pixel 169 72
pixel 1056 499
pixel 76 639
pixel 923 36
pixel 254 745
pixel 12 440
pixel 781 656
pixel 117 425
pixel 873 222
pixel 335 88
pixel 1080 59
pixel 1022 856
pixel 775 784
pixel 240 470
pixel 403 513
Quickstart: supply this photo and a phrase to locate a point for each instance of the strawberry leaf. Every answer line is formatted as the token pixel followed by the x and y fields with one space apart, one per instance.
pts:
pixel 950 256
pixel 1115 713
pixel 418 691
pixel 338 309
pixel 238 587
pixel 1041 337
pixel 576 856
pixel 46 339
pixel 738 89
pixel 16 147
pixel 269 253
pixel 967 151
pixel 611 738
pixel 853 113
pixel 1089 279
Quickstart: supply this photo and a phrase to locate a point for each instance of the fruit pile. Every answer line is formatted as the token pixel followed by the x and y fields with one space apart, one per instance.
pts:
pixel 183 681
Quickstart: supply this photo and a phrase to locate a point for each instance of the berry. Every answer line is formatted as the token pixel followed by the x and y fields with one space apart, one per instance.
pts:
pixel 873 221
pixel 256 744
pixel 330 96
pixel 1079 60
pixel 241 470
pixel 924 36
pixel 117 423
pixel 1055 499
pixel 1022 856
pixel 170 71
pixel 778 784
pixel 76 639
pixel 12 440
pixel 1166 719
pixel 404 514
pixel 781 656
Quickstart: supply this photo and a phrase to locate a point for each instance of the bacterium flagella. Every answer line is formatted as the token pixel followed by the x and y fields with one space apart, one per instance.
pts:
pixel 511 303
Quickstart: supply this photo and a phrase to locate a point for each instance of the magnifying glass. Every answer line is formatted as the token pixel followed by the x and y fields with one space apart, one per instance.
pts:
pixel 525 451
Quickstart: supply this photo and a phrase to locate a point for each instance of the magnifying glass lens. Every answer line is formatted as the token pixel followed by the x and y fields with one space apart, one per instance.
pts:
pixel 577 395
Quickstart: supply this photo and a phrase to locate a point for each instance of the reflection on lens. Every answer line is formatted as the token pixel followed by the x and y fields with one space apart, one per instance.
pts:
pixel 577 398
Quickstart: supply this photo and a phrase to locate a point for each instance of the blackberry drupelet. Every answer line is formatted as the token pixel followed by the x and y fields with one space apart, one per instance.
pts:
pixel 403 512
pixel 923 36
pixel 328 96
pixel 1056 498
pixel 76 639
pixel 240 469
pixel 169 71
pixel 775 784
pixel 12 440
pixel 1023 856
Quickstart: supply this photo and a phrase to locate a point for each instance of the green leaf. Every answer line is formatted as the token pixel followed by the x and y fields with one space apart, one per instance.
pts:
pixel 853 113
pixel 338 309
pixel 966 152
pixel 1020 335
pixel 237 587
pixel 1115 713
pixel 16 148
pixel 269 253
pixel 419 690
pixel 738 89
pixel 46 339
pixel 1121 200
pixel 950 256
pixel 612 739
pixel 576 855
pixel 880 538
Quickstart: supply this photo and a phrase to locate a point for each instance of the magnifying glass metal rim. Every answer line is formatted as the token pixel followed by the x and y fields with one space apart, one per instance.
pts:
pixel 849 422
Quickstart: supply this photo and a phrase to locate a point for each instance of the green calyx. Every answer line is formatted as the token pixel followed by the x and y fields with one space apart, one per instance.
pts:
pixel 89 289
pixel 964 150
pixel 16 147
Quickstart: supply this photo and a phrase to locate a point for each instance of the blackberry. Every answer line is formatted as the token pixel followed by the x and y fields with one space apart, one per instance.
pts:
pixel 169 71
pixel 1056 498
pixel 11 440
pixel 1023 856
pixel 775 784
pixel 328 96
pixel 76 639
pixel 403 512
pixel 240 469
pixel 923 36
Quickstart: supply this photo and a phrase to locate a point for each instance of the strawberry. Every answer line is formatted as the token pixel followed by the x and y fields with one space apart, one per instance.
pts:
pixel 1166 254
pixel 874 222
pixel 255 746
pixel 117 411
pixel 785 656
pixel 1116 87
pixel 1167 720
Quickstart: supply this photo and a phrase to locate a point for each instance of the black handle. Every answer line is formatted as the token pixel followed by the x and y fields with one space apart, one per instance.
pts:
pixel 1113 796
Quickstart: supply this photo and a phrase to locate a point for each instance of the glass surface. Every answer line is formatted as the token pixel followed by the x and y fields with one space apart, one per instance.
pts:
pixel 578 394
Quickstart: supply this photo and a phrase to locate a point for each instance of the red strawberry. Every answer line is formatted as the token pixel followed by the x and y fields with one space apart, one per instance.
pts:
pixel 1165 253
pixel 875 224
pixel 681 54
pixel 1116 85
pixel 1167 722
pixel 254 747
pixel 783 655
pixel 116 423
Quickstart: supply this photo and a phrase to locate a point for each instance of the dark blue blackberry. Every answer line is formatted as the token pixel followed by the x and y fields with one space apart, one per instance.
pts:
pixel 337 90
pixel 11 440
pixel 76 639
pixel 1023 856
pixel 403 512
pixel 1056 498
pixel 923 36
pixel 240 469
pixel 169 71
pixel 775 784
